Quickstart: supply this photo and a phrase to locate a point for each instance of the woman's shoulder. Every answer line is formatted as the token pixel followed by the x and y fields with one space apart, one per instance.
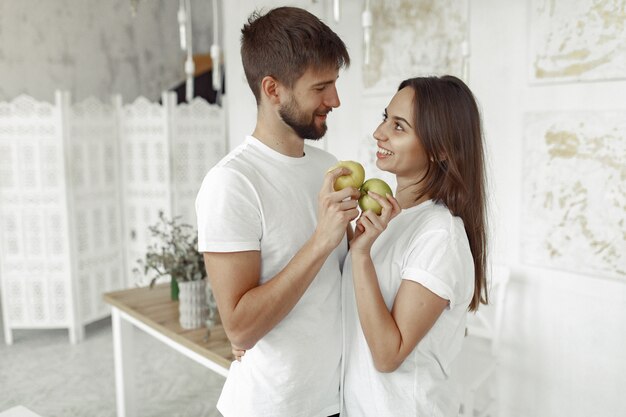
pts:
pixel 431 215
pixel 433 219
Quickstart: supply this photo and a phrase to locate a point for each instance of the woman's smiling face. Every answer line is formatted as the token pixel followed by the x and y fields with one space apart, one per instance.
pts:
pixel 400 151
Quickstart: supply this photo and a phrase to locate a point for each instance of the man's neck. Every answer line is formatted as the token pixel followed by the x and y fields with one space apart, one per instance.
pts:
pixel 280 138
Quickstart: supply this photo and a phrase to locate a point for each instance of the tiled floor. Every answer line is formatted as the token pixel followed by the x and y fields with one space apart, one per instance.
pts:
pixel 53 378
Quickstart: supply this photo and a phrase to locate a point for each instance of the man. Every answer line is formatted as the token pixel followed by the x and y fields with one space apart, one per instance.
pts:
pixel 273 230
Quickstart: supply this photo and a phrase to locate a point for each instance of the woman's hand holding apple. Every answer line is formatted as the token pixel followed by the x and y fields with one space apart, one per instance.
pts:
pixel 378 186
pixel 370 224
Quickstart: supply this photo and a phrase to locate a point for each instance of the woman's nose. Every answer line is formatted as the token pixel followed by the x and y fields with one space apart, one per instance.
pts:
pixel 379 134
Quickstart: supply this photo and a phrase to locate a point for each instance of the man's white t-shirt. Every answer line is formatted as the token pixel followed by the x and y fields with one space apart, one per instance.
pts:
pixel 428 245
pixel 258 199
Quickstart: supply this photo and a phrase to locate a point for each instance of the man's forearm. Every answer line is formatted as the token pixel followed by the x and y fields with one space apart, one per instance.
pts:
pixel 261 308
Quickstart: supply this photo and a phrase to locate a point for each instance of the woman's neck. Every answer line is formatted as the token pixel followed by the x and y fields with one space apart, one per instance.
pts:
pixel 407 192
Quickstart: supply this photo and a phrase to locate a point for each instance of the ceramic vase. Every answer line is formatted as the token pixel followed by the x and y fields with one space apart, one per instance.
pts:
pixel 192 305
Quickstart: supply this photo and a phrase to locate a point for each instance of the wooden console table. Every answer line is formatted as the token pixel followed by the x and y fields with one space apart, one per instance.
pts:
pixel 152 311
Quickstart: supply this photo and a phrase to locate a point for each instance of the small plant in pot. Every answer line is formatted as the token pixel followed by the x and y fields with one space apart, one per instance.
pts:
pixel 174 254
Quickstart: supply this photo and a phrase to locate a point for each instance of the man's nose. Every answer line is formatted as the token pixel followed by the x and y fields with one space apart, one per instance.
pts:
pixel 332 100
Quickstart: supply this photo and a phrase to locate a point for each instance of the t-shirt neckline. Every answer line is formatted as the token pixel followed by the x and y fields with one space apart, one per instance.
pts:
pixel 418 207
pixel 272 153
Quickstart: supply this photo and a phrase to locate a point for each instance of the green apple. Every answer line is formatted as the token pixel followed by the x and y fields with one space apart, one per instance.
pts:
pixel 354 179
pixel 378 186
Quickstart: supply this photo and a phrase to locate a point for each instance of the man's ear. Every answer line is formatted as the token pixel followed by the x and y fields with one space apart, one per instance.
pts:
pixel 270 89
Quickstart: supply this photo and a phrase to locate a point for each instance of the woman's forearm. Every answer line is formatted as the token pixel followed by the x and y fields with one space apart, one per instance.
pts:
pixel 379 327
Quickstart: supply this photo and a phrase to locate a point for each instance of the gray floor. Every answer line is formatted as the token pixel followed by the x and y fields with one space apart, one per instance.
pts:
pixel 45 373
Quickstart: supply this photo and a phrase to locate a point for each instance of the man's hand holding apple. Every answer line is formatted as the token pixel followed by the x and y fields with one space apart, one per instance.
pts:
pixel 336 209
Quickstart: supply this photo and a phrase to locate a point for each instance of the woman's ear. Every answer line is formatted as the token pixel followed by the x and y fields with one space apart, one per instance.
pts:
pixel 440 158
pixel 269 89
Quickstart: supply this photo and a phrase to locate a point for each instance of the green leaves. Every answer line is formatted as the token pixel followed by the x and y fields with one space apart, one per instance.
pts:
pixel 174 252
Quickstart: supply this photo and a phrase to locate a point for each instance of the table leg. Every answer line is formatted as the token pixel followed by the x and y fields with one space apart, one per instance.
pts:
pixel 8 334
pixel 124 372
pixel 8 331
pixel 77 333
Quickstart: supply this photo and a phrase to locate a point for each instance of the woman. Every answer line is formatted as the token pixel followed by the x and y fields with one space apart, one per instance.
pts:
pixel 409 282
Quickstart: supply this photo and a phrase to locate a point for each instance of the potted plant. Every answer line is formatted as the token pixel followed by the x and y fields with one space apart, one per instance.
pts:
pixel 174 254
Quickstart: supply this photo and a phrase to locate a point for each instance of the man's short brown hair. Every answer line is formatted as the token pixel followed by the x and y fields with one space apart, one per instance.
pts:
pixel 284 43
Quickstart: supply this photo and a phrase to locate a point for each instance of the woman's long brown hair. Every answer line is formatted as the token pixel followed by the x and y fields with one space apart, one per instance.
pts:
pixel 447 121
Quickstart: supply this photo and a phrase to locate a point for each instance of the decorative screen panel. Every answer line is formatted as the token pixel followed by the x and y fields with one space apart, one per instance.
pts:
pixel 33 209
pixel 198 143
pixel 146 175
pixel 96 202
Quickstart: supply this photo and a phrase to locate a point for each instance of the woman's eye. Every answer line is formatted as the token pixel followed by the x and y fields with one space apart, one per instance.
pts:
pixel 384 116
pixel 398 127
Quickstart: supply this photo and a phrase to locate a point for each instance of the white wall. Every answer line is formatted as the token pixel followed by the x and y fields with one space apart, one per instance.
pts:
pixel 564 333
pixel 88 47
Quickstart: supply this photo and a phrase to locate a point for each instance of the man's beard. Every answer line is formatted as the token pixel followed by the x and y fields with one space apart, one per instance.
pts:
pixel 297 120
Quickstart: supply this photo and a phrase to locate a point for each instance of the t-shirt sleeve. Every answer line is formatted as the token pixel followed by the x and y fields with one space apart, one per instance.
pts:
pixel 228 213
pixel 432 260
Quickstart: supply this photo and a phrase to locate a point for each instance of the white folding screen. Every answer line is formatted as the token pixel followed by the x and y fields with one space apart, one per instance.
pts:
pixel 144 132
pixel 94 205
pixel 79 186
pixel 35 255
pixel 198 141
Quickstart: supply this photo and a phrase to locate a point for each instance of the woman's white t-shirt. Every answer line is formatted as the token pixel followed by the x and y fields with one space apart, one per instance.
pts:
pixel 428 245
pixel 258 199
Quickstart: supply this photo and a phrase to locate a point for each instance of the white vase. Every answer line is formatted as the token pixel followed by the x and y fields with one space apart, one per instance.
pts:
pixel 192 307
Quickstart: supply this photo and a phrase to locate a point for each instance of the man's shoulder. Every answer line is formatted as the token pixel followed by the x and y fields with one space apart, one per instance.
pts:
pixel 237 156
pixel 235 164
pixel 242 161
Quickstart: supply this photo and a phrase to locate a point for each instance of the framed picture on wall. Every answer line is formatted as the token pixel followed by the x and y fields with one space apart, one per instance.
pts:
pixel 413 38
pixel 574 195
pixel 579 40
